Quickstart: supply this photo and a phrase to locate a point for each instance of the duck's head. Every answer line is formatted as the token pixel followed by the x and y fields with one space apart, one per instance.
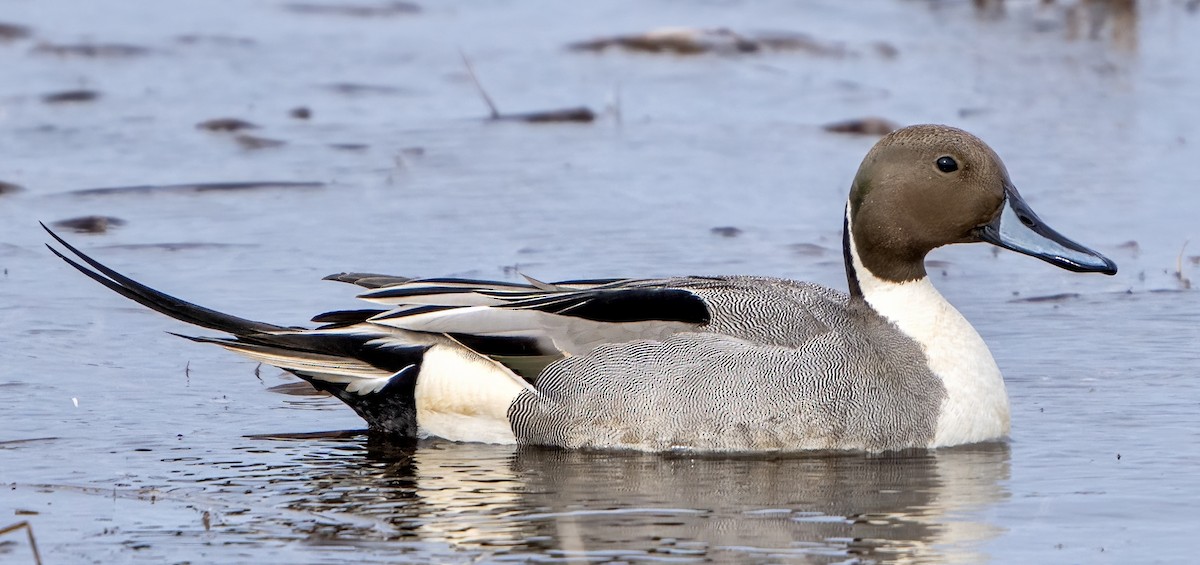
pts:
pixel 925 186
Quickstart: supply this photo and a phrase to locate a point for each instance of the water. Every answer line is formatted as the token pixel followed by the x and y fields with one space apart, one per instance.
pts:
pixel 120 443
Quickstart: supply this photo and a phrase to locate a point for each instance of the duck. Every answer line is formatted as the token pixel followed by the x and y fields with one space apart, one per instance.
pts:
pixel 693 363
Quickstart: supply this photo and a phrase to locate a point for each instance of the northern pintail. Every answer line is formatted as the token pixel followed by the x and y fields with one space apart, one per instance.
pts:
pixel 703 363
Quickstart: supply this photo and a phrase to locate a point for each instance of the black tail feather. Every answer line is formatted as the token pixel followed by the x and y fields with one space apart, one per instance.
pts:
pixel 179 309
pixel 343 318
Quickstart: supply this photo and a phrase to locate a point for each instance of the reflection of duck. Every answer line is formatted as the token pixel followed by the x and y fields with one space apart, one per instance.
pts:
pixel 886 508
pixel 705 363
pixel 459 498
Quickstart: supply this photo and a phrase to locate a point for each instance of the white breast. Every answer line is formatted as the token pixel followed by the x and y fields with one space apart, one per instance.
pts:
pixel 976 405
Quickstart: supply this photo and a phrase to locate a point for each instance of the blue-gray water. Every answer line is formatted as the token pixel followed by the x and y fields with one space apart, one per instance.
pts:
pixel 137 441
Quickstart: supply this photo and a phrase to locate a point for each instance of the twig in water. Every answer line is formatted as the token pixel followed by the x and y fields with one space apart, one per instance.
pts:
pixel 616 104
pixel 487 99
pixel 37 557
pixel 578 114
pixel 1187 283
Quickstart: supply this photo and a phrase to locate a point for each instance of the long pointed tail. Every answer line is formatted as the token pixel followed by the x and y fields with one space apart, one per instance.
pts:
pixel 181 310
pixel 373 371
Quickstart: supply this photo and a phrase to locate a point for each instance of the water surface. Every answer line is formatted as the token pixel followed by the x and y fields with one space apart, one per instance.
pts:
pixel 122 443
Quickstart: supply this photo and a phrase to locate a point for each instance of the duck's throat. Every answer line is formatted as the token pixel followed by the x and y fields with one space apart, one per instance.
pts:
pixel 881 254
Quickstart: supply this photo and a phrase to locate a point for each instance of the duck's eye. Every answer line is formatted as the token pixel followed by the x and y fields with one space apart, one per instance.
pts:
pixel 947 164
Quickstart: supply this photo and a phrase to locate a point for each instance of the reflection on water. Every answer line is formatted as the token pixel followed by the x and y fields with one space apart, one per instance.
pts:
pixel 1090 18
pixel 1114 20
pixel 514 502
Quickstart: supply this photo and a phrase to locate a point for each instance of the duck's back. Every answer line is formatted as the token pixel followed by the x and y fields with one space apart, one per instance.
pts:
pixel 781 365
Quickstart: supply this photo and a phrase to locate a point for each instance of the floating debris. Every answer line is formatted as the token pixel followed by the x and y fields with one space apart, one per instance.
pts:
pixel 224 40
pixel 28 440
pixel 195 187
pixel 11 250
pixel 726 231
pixel 13 32
pixel 1061 297
pixel 382 9
pixel 1131 246
pixel 885 50
pixel 90 224
pixel 70 96
pixel 578 114
pixel 863 126
pixel 350 146
pixel 972 112
pixel 9 188
pixel 698 41
pixel 93 50
pixel 300 113
pixel 254 142
pixel 807 249
pixel 792 41
pixel 180 246
pixel 226 124
pixel 358 89
pixel 678 41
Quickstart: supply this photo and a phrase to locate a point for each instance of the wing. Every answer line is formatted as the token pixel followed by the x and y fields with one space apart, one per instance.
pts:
pixel 528 326
pixel 525 326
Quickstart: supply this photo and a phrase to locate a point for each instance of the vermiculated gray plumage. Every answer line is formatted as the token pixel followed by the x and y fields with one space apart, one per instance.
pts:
pixel 781 366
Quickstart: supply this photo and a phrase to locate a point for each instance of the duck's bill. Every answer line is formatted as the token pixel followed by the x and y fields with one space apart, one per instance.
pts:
pixel 1019 229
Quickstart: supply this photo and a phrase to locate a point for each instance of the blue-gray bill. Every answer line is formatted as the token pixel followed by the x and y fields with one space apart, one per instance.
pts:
pixel 1019 229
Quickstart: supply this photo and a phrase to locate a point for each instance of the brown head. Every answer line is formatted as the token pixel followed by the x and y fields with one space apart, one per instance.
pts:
pixel 925 186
